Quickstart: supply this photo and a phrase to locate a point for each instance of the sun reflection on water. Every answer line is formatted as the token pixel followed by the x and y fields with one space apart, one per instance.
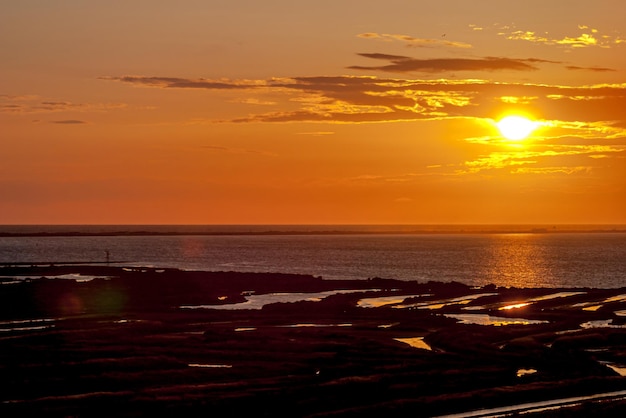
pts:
pixel 530 301
pixel 514 306
pixel 516 260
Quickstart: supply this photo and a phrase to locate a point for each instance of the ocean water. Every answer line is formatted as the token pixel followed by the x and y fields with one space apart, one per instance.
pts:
pixel 505 257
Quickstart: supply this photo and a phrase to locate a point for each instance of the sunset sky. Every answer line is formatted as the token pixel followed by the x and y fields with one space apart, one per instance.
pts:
pixel 311 112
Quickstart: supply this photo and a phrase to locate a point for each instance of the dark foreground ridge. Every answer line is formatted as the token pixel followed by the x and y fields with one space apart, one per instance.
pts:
pixel 130 342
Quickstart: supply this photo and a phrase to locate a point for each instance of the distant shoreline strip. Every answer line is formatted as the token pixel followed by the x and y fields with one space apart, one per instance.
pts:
pixel 304 232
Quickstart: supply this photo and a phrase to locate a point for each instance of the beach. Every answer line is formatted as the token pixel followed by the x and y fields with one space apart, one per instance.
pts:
pixel 120 341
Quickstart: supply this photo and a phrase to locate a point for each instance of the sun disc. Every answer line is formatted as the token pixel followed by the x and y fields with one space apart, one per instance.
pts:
pixel 516 128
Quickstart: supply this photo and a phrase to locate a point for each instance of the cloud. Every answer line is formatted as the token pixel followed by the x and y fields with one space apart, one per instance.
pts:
pixel 254 101
pixel 359 99
pixel 378 179
pixel 581 126
pixel 517 99
pixel 415 42
pixel 402 64
pixel 596 69
pixel 551 170
pixel 69 122
pixel 228 150
pixel 36 104
pixel 12 108
pixel 184 83
pixel 538 160
pixel 317 133
pixel 588 38
pixel 581 41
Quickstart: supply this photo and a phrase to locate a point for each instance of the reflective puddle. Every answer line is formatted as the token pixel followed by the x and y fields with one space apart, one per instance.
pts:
pixel 594 306
pixel 617 298
pixel 211 366
pixel 538 407
pixel 259 301
pixel 524 372
pixel 415 342
pixel 530 301
pixel 27 325
pixel 438 304
pixel 621 370
pixel 601 323
pixel 314 325
pixel 72 276
pixel 484 319
pixel 385 300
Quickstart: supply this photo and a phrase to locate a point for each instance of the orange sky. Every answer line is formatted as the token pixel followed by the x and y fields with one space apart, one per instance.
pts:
pixel 296 112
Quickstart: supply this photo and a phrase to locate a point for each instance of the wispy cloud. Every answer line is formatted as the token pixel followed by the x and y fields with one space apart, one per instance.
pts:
pixel 36 104
pixel 371 179
pixel 411 41
pixel 69 122
pixel 539 160
pixel 185 83
pixel 559 170
pixel 596 69
pixel 230 150
pixel 254 101
pixel 588 38
pixel 12 108
pixel 402 64
pixel 317 133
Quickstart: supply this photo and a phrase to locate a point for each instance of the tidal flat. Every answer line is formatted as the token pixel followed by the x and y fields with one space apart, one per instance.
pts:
pixel 95 341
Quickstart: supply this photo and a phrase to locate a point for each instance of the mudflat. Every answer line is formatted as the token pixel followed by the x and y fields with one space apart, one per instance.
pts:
pixel 96 341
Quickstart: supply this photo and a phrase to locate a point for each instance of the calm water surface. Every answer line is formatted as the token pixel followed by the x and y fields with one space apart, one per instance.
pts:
pixel 518 259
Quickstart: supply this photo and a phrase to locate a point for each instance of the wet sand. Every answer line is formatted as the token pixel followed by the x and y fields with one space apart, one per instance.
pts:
pixel 96 341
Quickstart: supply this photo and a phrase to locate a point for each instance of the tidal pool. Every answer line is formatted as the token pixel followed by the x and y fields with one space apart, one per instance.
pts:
pixel 415 342
pixel 211 366
pixel 601 323
pixel 385 300
pixel 438 304
pixel 309 325
pixel 259 301
pixel 484 319
pixel 621 370
pixel 524 372
pixel 72 276
pixel 522 304
pixel 594 306
pixel 27 325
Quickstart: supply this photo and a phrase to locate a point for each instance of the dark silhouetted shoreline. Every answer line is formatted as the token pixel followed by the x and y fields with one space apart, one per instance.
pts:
pixel 114 341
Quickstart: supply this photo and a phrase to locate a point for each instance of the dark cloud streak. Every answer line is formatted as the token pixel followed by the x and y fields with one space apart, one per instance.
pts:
pixel 69 122
pixel 173 82
pixel 596 69
pixel 402 64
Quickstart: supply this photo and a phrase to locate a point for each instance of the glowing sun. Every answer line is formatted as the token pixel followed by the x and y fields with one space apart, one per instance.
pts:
pixel 516 128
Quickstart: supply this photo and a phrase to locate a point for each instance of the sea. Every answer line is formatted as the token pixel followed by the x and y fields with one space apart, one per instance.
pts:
pixel 560 256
